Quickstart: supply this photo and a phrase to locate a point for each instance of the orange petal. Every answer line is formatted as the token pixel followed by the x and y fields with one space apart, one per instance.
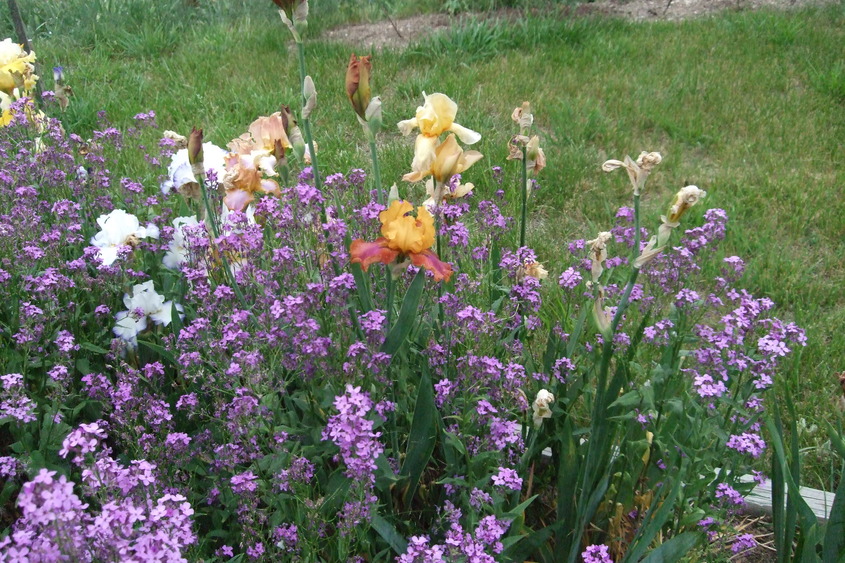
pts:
pixel 427 259
pixel 367 253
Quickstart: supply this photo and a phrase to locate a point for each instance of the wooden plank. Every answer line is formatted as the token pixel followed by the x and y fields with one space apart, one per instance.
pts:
pixel 759 500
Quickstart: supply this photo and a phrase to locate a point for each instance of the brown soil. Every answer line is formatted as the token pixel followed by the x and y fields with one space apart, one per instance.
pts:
pixel 400 33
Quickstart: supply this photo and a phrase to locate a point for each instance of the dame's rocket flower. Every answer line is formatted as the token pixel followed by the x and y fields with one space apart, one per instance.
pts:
pixel 434 117
pixel 120 229
pixel 403 237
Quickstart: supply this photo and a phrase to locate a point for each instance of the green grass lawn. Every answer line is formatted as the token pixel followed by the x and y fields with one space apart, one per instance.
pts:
pixel 749 106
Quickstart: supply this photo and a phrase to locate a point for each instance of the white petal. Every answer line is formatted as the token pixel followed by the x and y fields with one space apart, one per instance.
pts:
pixel 467 136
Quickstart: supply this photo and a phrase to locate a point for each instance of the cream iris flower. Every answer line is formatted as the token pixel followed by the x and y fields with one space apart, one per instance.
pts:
pixel 143 303
pixel 177 252
pixel 119 229
pixel 542 407
pixel 433 118
pixel 180 172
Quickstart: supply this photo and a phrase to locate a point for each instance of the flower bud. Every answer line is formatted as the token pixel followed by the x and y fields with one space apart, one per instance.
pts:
pixel 358 83
pixel 373 115
pixel 195 146
pixel 309 92
pixel 393 195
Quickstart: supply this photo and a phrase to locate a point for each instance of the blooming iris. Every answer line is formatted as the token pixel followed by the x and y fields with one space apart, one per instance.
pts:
pixel 13 60
pixel 403 236
pixel 254 155
pixel 120 229
pixel 144 302
pixel 434 117
pixel 449 159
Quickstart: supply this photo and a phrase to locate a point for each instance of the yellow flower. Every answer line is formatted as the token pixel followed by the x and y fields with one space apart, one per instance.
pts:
pixel 404 232
pixel 403 236
pixel 13 59
pixel 449 159
pixel 434 117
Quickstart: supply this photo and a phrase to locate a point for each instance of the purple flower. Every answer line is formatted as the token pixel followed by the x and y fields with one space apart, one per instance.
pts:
pixel 743 542
pixel 747 443
pixel 596 554
pixel 508 478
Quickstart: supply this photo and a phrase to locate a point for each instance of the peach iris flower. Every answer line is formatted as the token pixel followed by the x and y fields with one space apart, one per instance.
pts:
pixel 433 118
pixel 403 236
pixel 254 155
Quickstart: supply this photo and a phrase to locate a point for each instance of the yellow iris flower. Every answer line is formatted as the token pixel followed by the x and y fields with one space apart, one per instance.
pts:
pixel 403 236
pixel 435 117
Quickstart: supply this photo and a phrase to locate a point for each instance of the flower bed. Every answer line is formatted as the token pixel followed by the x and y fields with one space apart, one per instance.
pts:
pixel 256 361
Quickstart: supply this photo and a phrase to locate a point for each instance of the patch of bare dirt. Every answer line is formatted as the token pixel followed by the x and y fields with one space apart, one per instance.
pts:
pixel 686 9
pixel 400 33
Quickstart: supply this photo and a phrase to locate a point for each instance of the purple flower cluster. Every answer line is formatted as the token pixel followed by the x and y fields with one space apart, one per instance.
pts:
pixel 350 431
pixel 747 443
pixel 596 554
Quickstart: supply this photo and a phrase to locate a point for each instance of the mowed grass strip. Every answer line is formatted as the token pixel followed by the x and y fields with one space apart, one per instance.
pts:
pixel 749 106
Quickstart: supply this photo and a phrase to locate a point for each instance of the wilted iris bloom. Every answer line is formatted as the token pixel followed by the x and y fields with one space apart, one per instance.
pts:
pixel 637 171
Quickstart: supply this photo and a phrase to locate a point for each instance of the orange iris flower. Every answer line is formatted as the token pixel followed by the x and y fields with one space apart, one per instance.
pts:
pixel 403 235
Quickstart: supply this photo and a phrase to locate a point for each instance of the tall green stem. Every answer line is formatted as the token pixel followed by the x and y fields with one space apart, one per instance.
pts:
pixel 376 170
pixel 306 122
pixel 211 216
pixel 636 225
pixel 524 191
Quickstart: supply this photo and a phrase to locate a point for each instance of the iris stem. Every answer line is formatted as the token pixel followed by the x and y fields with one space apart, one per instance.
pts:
pixel 524 198
pixel 376 169
pixel 636 225
pixel 306 122
pixel 215 229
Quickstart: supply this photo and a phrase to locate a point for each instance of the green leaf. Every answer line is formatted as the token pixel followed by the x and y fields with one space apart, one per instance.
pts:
pixel 516 511
pixel 674 549
pixel 407 315
pixel 386 530
pixel 176 319
pixel 363 290
pixel 834 538
pixel 421 438
pixel 158 349
pixel 93 348
pixel 655 519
